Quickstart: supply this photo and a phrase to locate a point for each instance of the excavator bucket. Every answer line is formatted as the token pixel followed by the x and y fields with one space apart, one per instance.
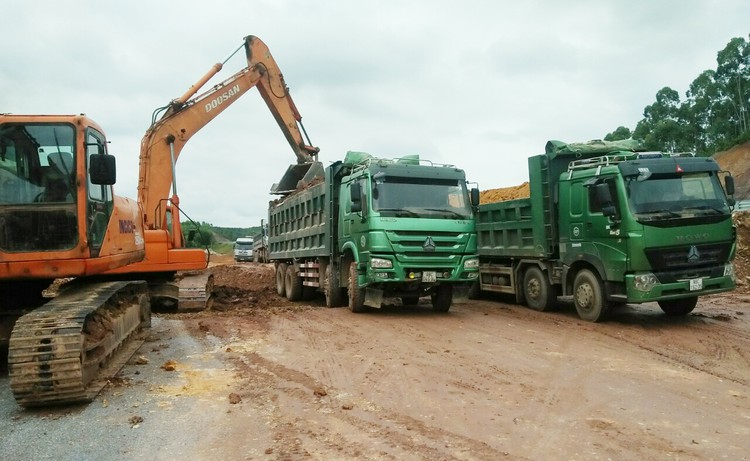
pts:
pixel 297 177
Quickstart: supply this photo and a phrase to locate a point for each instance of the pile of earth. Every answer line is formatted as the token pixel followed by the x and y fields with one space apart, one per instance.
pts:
pixel 742 257
pixel 504 193
pixel 249 287
pixel 737 161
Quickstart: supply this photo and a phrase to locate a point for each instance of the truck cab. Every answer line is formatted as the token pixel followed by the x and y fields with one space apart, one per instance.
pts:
pixel 655 226
pixel 243 249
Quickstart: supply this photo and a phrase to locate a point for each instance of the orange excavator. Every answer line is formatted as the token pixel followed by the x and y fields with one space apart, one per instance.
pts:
pixel 60 219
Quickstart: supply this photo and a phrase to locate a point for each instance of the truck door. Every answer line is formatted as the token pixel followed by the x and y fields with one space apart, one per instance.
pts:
pixel 354 208
pixel 602 229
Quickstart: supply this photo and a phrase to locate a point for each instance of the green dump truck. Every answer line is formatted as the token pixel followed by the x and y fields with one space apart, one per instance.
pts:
pixel 608 224
pixel 370 229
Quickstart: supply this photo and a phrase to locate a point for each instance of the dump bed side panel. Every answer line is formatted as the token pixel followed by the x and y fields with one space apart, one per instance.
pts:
pixel 298 225
pixel 521 228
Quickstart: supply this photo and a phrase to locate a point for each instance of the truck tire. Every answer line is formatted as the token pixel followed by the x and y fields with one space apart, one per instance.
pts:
pixel 539 294
pixel 588 296
pixel 442 298
pixel 332 288
pixel 293 284
pixel 676 307
pixel 280 279
pixel 356 294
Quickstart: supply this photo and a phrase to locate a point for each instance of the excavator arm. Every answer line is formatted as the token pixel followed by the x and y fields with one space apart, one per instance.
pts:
pixel 184 116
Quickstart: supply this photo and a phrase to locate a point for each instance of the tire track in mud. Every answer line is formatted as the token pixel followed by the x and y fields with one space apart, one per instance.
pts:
pixel 397 436
pixel 721 334
pixel 716 339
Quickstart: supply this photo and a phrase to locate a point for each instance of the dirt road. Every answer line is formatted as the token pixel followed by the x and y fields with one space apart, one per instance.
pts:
pixel 261 378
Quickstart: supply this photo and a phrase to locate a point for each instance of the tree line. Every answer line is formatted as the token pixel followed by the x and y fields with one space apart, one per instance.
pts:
pixel 712 117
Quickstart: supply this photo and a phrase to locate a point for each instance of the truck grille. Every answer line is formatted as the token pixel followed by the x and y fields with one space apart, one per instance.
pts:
pixel 436 245
pixel 688 256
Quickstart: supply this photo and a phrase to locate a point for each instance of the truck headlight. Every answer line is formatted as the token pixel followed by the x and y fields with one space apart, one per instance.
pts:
pixel 729 272
pixel 472 263
pixel 380 263
pixel 645 282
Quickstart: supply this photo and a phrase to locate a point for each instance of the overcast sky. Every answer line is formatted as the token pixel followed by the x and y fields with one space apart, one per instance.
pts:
pixel 478 84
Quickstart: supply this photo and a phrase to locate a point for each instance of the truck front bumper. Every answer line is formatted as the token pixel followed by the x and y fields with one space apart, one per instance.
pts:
pixel 646 287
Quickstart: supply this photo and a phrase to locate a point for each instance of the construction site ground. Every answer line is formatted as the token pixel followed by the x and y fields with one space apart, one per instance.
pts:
pixel 261 378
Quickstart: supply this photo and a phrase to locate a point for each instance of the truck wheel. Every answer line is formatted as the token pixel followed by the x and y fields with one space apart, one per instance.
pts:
pixel 280 277
pixel 442 298
pixel 356 294
pixel 332 287
pixel 677 307
pixel 540 295
pixel 588 296
pixel 293 284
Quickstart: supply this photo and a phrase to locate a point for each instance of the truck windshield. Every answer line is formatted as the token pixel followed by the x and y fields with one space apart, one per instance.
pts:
pixel 666 197
pixel 431 198
pixel 243 246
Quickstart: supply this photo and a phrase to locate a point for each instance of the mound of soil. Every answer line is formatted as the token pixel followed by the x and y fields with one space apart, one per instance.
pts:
pixel 737 161
pixel 504 193
pixel 248 287
pixel 742 257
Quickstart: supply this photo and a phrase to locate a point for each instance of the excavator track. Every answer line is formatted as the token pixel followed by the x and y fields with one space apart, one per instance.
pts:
pixel 188 291
pixel 195 289
pixel 58 351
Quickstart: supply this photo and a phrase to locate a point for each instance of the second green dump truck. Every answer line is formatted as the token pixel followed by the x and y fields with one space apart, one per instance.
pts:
pixel 367 229
pixel 608 224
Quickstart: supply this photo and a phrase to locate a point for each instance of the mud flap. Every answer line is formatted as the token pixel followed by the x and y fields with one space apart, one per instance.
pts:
pixel 373 297
pixel 461 294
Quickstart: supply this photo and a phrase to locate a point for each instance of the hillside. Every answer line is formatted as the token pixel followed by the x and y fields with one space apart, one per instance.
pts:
pixel 737 161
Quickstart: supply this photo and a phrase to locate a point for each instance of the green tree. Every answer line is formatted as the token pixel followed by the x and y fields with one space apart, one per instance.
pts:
pixel 661 127
pixel 734 85
pixel 714 116
pixel 619 134
pixel 202 234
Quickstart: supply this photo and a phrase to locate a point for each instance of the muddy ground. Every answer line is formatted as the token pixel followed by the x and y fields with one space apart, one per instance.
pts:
pixel 489 380
pixel 261 378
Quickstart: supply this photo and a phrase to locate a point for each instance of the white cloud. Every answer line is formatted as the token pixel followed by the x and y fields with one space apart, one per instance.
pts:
pixel 480 84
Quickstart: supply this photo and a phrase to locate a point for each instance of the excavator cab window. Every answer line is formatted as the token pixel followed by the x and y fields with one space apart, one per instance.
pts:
pixel 37 199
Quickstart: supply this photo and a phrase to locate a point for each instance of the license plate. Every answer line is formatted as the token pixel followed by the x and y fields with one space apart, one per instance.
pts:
pixel 429 276
pixel 696 284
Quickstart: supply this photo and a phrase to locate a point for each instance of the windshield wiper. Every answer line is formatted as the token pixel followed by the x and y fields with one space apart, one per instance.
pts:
pixel 669 213
pixel 451 213
pixel 706 208
pixel 402 211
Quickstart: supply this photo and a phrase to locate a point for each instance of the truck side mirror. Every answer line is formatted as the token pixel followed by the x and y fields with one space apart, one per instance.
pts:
pixel 474 197
pixel 355 190
pixel 729 185
pixel 604 197
pixel 102 169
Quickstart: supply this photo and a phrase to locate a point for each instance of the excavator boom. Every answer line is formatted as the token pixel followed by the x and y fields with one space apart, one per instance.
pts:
pixel 163 142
